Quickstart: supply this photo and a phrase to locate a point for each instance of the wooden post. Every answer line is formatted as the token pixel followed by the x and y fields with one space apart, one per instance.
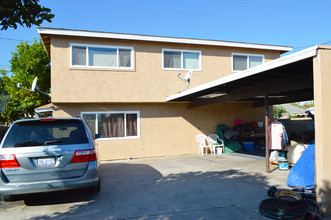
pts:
pixel 267 135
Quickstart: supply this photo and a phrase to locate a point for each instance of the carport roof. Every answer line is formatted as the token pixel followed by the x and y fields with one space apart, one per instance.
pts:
pixel 286 79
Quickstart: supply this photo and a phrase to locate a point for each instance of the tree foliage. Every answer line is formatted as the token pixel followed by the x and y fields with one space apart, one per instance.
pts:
pixel 28 62
pixel 2 85
pixel 278 111
pixel 22 12
pixel 4 96
pixel 308 104
pixel 297 104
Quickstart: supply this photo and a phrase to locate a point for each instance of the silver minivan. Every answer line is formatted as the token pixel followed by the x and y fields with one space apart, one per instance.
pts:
pixel 48 154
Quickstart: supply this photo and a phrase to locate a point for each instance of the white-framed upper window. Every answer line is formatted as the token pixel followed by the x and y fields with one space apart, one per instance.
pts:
pixel 113 124
pixel 97 56
pixel 181 59
pixel 242 62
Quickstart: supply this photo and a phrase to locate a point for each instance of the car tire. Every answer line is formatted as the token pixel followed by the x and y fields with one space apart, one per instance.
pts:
pixel 96 188
pixel 8 198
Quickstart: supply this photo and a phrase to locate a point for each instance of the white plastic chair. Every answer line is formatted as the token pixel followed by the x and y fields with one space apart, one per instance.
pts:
pixel 204 143
pixel 216 141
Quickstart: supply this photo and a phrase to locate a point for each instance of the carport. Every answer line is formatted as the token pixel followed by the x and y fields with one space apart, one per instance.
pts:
pixel 300 76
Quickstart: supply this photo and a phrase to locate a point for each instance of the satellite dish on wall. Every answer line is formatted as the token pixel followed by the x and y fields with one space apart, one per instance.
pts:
pixel 187 78
pixel 34 85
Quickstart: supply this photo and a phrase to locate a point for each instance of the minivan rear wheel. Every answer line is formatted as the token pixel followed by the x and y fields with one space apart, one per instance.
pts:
pixel 96 188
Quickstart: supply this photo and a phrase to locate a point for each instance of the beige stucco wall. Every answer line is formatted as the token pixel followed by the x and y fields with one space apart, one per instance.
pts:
pixel 165 129
pixel 147 82
pixel 322 94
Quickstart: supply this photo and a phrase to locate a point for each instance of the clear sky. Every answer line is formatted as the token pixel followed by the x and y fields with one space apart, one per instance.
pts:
pixel 297 23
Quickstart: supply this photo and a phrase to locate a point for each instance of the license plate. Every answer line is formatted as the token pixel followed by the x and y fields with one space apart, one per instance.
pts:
pixel 50 161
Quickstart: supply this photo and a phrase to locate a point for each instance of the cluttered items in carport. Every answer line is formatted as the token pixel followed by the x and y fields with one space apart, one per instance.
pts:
pixel 251 135
pixel 299 202
pixel 230 146
pixel 283 164
pixel 290 155
pixel 278 136
pixel 290 204
pixel 280 159
pixel 248 145
pixel 242 137
pixel 301 135
pixel 278 141
pixel 302 174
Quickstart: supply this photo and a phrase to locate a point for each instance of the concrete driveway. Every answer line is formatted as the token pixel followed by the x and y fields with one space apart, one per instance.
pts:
pixel 186 187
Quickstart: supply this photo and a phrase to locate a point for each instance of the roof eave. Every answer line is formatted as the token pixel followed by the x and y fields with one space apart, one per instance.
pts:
pixel 82 33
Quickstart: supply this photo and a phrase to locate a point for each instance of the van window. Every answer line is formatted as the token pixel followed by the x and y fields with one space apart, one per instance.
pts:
pixel 36 132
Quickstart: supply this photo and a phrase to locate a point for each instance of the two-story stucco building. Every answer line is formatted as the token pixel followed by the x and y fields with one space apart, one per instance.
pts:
pixel 126 87
pixel 119 83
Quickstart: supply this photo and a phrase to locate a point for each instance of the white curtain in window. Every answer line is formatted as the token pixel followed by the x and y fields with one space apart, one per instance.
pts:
pixel 111 125
pixel 125 57
pixel 79 55
pixel 191 60
pixel 172 59
pixel 239 62
pixel 254 61
pixel 102 57
pixel 131 125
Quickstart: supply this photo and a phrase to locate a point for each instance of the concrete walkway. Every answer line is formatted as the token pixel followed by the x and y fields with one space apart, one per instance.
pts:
pixel 186 187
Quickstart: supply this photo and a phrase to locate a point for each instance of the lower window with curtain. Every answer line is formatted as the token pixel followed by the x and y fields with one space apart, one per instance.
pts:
pixel 113 125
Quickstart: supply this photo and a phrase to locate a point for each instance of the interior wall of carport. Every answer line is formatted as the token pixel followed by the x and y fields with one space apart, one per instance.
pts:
pixel 165 128
pixel 322 94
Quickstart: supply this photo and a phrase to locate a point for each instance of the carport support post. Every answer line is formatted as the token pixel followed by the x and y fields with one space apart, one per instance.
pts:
pixel 266 135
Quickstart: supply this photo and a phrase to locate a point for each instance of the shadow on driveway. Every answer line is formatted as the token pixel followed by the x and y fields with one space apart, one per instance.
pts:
pixel 139 191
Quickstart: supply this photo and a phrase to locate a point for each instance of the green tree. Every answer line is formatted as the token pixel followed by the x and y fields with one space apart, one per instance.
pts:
pixel 2 85
pixel 297 104
pixel 28 62
pixel 278 111
pixel 308 104
pixel 4 96
pixel 22 12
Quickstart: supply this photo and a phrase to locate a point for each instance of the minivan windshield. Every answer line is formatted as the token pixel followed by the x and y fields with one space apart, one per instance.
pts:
pixel 53 132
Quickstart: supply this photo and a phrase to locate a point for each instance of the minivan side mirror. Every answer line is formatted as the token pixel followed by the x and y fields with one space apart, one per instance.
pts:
pixel 96 136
